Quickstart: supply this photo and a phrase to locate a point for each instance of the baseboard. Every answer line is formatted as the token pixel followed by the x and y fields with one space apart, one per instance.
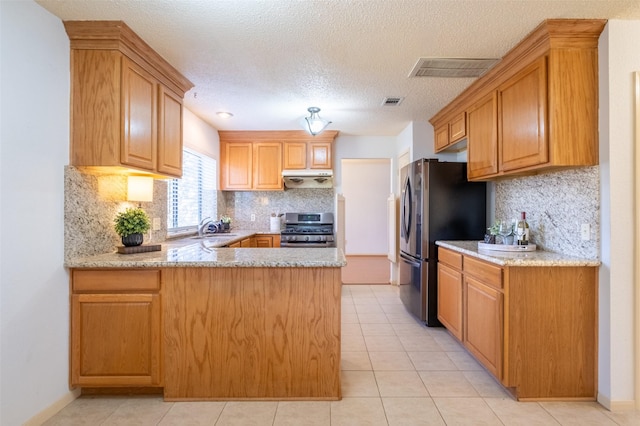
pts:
pixel 366 269
pixel 616 405
pixel 53 409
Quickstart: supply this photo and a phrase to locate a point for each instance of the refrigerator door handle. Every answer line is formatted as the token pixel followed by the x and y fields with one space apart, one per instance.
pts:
pixel 409 260
pixel 405 222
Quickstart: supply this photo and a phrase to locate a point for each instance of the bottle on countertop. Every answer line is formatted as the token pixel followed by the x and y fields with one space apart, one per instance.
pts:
pixel 522 230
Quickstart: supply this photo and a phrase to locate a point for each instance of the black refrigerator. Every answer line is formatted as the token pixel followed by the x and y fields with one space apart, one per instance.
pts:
pixel 437 203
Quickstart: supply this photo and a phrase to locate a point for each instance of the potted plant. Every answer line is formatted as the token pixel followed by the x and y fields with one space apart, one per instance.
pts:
pixel 131 224
pixel 226 222
pixel 490 236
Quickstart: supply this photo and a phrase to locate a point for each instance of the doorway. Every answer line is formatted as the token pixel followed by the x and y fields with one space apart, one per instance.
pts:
pixel 366 185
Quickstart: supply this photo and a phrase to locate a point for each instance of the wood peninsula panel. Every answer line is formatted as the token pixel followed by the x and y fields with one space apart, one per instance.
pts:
pixel 252 333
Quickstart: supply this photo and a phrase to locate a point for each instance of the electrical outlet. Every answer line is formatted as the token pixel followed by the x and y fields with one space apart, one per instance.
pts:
pixel 156 223
pixel 585 232
pixel 253 218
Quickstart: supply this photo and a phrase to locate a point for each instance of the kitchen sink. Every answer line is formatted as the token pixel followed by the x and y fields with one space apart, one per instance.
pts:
pixel 222 235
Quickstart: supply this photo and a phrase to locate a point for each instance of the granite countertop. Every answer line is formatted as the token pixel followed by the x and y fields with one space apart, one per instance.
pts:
pixel 532 258
pixel 210 253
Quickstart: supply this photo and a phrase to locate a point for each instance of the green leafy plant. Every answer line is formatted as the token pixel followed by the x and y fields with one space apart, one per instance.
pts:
pixel 493 229
pixel 133 220
pixel 225 219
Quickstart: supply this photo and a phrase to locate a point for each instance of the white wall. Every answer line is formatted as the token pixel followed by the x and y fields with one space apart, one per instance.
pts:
pixel 366 187
pixel 619 58
pixel 33 283
pixel 199 135
pixel 361 147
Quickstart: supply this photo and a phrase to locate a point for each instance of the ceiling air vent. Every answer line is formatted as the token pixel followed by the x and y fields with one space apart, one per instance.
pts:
pixel 451 67
pixel 391 101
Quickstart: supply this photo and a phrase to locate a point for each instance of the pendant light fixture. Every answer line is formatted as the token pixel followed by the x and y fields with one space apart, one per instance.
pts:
pixel 315 124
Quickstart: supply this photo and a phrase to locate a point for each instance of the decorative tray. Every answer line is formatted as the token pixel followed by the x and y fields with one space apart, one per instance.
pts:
pixel 505 247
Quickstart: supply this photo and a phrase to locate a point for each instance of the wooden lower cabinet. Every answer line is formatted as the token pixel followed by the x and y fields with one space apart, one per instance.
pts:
pixel 450 299
pixel 483 324
pixel 533 327
pixel 116 328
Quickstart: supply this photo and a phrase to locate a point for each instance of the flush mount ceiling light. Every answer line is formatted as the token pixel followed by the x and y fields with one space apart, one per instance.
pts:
pixel 224 114
pixel 315 124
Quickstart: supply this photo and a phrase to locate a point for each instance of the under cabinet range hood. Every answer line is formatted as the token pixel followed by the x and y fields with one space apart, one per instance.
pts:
pixel 308 178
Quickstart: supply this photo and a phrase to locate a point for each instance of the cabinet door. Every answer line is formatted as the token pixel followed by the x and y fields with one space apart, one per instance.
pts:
pixel 247 242
pixel 522 125
pixel 139 117
pixel 295 155
pixel 458 128
pixel 320 155
pixel 450 299
pixel 169 133
pixel 442 137
pixel 484 324
pixel 263 241
pixel 267 171
pixel 482 138
pixel 115 340
pixel 237 165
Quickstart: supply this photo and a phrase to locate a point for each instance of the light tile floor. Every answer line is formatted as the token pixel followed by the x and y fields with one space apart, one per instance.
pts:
pixel 395 372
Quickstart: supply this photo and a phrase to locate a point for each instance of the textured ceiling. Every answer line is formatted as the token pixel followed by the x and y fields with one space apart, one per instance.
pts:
pixel 268 61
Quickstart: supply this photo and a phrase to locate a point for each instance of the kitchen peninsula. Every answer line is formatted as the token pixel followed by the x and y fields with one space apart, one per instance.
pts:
pixel 202 322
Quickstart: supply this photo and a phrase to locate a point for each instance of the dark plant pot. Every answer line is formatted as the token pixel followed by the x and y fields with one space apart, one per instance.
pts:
pixel 489 239
pixel 132 240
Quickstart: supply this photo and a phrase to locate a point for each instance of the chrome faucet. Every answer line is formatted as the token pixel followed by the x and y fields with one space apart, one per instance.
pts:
pixel 203 225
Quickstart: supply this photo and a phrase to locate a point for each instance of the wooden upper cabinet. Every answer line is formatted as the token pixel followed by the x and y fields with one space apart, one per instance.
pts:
pixel 126 101
pixel 320 155
pixel 254 160
pixel 246 165
pixel 482 142
pixel 547 90
pixel 267 165
pixel 522 108
pixel 169 133
pixel 449 131
pixel 139 117
pixel 295 155
pixel 441 137
pixel 236 172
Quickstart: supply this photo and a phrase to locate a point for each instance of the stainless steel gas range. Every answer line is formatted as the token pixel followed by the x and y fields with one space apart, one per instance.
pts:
pixel 308 230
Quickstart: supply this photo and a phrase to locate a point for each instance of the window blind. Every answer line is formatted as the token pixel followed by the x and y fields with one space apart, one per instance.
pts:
pixel 192 197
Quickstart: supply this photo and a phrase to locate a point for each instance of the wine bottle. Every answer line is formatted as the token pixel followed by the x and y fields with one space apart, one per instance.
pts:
pixel 522 230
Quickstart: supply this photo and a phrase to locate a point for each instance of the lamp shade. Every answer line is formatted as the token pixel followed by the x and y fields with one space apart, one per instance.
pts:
pixel 315 124
pixel 139 188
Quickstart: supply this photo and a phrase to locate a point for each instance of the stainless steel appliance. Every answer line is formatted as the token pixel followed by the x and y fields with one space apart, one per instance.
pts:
pixel 437 203
pixel 307 230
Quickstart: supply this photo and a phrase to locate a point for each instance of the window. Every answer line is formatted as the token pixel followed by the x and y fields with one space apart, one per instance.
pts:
pixel 192 197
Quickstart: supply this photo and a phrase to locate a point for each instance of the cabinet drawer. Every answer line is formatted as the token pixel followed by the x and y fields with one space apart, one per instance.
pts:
pixel 485 272
pixel 116 280
pixel 450 258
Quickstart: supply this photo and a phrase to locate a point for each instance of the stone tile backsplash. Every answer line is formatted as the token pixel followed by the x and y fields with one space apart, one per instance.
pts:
pixel 240 205
pixel 91 202
pixel 556 204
